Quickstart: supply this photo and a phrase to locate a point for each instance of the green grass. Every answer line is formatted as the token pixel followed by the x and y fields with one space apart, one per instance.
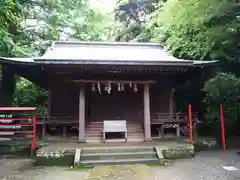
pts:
pixel 79 169
pixel 165 162
pixel 154 164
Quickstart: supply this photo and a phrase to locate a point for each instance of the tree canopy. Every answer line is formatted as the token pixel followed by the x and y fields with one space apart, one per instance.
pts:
pixel 28 27
pixel 189 29
pixel 198 29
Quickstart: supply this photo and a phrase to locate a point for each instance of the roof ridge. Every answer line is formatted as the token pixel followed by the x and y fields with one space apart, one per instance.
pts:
pixel 110 43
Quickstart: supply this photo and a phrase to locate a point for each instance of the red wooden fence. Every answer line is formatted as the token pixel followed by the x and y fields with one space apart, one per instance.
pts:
pixel 222 127
pixel 13 121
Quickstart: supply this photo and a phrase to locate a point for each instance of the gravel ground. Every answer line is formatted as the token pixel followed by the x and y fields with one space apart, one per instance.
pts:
pixel 22 169
pixel 205 166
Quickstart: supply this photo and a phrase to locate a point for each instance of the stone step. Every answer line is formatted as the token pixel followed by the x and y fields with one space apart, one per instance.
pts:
pixel 134 131
pixel 135 137
pixel 129 124
pixel 101 128
pixel 100 136
pixel 97 140
pixel 95 122
pixel 123 155
pixel 93 163
pixel 101 133
pixel 94 135
pixel 137 127
pixel 94 132
pixel 94 128
pixel 133 125
pixel 100 140
pixel 118 149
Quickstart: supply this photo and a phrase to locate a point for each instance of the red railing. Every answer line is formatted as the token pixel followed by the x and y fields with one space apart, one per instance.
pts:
pixel 15 120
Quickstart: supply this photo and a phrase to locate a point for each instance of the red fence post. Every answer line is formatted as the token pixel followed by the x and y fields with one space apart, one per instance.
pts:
pixel 190 123
pixel 33 146
pixel 21 124
pixel 222 128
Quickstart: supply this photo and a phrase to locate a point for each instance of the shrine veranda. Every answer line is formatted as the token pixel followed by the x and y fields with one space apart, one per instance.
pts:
pixel 93 82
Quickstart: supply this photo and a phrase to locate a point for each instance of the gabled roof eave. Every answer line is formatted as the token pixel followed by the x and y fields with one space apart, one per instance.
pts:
pixel 13 60
pixel 113 62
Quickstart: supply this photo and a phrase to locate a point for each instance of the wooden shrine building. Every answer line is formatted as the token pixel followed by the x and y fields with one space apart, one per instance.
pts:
pixel 94 84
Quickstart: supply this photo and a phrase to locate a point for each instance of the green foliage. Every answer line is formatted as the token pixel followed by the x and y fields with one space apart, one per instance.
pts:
pixel 131 20
pixel 30 95
pixel 28 27
pixel 94 26
pixel 198 29
pixel 222 89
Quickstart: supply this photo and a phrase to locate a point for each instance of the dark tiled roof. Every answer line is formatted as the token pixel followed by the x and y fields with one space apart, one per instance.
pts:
pixel 108 53
pixel 112 53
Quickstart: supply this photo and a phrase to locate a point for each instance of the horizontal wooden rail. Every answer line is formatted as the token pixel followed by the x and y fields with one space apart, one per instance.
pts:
pixel 17 108
pixel 58 120
pixel 16 132
pixel 8 124
pixel 15 119
pixel 161 118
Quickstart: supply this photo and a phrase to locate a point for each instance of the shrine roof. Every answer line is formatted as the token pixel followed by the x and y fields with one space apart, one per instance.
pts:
pixel 112 53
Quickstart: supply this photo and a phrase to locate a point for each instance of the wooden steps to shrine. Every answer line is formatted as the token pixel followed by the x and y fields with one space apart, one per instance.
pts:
pixel 94 132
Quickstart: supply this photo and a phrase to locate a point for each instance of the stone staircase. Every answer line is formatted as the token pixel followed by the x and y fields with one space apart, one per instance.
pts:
pixel 118 153
pixel 94 132
pixel 90 157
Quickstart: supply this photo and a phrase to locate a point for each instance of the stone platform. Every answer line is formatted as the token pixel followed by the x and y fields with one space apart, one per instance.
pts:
pixel 82 155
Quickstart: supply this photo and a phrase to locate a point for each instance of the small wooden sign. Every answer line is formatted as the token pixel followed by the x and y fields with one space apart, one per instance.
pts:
pixel 114 126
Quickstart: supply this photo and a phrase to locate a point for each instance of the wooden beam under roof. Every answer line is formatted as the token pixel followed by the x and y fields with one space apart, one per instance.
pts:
pixel 112 81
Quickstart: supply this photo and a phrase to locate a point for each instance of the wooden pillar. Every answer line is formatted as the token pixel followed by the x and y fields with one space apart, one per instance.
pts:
pixel 49 103
pixel 44 129
pixel 64 129
pixel 171 102
pixel 81 129
pixel 47 113
pixel 147 123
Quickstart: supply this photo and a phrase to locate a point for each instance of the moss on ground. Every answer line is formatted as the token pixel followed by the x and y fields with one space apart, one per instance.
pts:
pixel 80 169
pixel 205 144
pixel 66 160
pixel 177 153
pixel 120 172
pixel 17 148
pixel 63 157
pixel 163 162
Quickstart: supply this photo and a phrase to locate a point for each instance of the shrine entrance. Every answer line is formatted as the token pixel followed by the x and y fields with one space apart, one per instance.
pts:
pixel 124 103
pixel 114 101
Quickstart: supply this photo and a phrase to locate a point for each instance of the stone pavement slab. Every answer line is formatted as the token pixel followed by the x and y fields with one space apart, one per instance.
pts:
pixel 208 165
